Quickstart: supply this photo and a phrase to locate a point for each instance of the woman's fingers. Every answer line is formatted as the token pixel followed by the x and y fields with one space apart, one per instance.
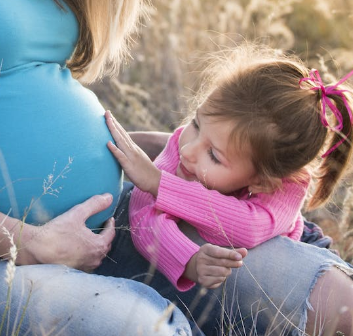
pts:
pixel 93 205
pixel 67 240
pixel 108 232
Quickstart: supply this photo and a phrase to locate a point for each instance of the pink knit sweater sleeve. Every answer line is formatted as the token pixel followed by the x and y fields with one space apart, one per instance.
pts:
pixel 155 234
pixel 228 221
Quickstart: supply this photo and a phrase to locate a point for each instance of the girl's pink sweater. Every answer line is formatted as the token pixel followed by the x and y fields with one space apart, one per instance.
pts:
pixel 219 219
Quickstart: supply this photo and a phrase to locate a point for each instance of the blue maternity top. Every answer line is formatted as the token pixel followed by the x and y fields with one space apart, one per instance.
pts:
pixel 53 136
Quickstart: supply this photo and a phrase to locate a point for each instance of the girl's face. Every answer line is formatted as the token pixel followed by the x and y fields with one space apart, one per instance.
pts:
pixel 205 155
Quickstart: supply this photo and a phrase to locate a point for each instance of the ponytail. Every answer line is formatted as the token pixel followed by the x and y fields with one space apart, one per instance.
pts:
pixel 336 159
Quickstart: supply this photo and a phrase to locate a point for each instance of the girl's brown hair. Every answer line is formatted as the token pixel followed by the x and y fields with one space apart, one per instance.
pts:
pixel 105 33
pixel 258 88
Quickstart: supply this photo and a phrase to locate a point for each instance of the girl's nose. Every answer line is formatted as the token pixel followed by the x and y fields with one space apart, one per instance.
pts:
pixel 189 152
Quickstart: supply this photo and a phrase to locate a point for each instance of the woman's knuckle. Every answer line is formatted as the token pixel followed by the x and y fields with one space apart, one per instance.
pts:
pixel 77 207
pixel 100 251
pixel 97 263
pixel 98 199
pixel 105 247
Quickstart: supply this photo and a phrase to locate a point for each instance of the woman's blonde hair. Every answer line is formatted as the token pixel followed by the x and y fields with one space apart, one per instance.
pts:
pixel 260 90
pixel 105 27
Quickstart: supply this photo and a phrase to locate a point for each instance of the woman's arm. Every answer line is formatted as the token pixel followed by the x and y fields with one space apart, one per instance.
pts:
pixel 64 240
pixel 21 232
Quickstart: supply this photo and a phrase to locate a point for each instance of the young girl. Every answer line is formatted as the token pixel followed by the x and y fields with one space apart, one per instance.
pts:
pixel 238 171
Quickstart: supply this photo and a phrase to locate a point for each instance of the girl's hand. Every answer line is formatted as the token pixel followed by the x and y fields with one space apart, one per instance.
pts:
pixel 66 239
pixel 212 264
pixel 152 143
pixel 134 161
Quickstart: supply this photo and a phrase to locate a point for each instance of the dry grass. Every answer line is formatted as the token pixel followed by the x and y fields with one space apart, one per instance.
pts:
pixel 153 92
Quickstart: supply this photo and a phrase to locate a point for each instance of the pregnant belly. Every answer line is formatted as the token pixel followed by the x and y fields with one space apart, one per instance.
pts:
pixel 53 146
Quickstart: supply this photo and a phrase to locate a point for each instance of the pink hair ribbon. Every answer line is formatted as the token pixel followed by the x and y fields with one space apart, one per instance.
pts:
pixel 315 78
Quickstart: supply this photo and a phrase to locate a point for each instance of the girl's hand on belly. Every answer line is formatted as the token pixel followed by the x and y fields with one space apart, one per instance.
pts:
pixel 66 239
pixel 136 164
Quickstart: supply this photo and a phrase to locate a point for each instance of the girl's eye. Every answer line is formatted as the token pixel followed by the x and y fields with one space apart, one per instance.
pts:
pixel 196 126
pixel 212 156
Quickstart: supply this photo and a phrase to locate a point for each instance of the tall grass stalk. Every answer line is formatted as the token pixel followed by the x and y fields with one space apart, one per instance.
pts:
pixel 10 274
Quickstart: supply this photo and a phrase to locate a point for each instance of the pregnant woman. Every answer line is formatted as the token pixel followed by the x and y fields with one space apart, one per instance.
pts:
pixel 53 156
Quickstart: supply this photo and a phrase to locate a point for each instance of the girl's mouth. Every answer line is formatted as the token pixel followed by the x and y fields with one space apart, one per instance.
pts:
pixel 185 172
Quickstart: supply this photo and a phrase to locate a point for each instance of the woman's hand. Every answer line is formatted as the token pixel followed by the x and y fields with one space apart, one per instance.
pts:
pixel 66 239
pixel 212 264
pixel 134 161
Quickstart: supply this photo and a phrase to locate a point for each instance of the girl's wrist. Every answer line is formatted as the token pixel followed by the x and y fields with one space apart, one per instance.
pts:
pixel 190 269
pixel 155 182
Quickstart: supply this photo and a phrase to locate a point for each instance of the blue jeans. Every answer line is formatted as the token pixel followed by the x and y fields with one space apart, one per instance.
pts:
pixel 63 301
pixel 269 293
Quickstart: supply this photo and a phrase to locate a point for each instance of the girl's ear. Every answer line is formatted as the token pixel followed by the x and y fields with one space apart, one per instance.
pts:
pixel 267 186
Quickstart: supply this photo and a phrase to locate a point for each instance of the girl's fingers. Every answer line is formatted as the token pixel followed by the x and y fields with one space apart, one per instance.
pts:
pixel 122 141
pixel 213 271
pixel 119 129
pixel 242 251
pixel 121 137
pixel 214 251
pixel 227 263
pixel 119 155
pixel 212 281
pixel 222 262
pixel 113 125
pixel 214 286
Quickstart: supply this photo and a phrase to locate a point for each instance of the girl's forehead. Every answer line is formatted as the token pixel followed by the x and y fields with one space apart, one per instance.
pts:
pixel 235 138
pixel 208 109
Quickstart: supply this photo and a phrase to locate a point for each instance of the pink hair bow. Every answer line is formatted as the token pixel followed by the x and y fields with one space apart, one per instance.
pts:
pixel 315 78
